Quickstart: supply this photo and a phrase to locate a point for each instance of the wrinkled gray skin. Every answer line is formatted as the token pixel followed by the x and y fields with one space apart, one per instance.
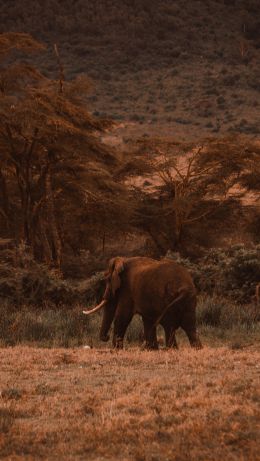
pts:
pixel 162 292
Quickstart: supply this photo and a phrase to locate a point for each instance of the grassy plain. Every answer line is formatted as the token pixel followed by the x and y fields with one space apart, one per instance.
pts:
pixel 99 404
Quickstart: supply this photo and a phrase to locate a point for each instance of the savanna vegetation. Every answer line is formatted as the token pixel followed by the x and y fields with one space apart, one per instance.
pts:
pixel 180 179
pixel 69 201
pixel 163 66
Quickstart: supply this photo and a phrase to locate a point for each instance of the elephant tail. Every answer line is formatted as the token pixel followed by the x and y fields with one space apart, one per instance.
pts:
pixel 182 294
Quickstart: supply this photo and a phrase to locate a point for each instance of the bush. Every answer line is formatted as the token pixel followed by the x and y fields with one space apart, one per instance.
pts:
pixel 26 281
pixel 220 312
pixel 232 272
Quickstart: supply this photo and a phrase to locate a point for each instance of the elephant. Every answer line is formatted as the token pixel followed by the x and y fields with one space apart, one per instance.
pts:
pixel 160 291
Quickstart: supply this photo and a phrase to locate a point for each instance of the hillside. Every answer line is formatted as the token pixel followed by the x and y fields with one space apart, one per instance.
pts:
pixel 168 66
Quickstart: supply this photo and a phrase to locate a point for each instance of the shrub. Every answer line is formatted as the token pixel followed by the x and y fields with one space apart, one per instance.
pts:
pixel 26 281
pixel 232 272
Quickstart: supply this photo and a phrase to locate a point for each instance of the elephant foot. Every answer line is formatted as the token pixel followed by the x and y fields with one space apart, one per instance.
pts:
pixel 104 338
pixel 172 346
pixel 151 346
pixel 193 338
pixel 171 342
pixel 197 344
pixel 118 343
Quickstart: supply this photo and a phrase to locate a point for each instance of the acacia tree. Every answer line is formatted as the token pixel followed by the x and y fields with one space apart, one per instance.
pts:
pixel 51 161
pixel 191 183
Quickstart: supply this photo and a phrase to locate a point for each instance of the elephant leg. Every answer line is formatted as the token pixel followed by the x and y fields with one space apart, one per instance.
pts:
pixel 170 338
pixel 188 324
pixel 121 323
pixel 150 334
pixel 170 326
pixel 193 338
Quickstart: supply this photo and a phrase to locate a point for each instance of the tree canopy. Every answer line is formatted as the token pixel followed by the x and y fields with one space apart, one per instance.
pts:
pixel 55 173
pixel 193 183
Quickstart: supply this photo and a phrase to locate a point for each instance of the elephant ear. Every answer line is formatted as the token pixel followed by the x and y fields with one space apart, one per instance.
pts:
pixel 118 267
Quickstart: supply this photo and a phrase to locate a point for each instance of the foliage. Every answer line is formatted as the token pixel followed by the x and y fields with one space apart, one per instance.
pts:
pixel 25 281
pixel 56 177
pixel 192 184
pixel 232 272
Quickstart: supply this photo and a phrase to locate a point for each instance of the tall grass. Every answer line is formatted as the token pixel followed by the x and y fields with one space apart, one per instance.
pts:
pixel 50 326
pixel 67 327
pixel 216 311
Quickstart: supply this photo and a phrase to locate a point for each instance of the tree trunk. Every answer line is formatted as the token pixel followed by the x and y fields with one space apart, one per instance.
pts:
pixel 50 212
pixel 178 229
pixel 43 247
pixel 4 193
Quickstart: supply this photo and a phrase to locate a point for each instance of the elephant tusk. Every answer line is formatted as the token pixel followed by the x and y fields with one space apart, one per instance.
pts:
pixel 96 308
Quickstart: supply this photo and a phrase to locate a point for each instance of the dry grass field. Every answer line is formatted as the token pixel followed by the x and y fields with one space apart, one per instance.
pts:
pixel 98 404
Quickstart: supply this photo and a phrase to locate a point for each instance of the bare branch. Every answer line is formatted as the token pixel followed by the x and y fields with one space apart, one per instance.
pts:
pixel 61 69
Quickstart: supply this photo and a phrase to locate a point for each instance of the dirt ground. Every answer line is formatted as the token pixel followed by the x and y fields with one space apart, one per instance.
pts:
pixel 98 404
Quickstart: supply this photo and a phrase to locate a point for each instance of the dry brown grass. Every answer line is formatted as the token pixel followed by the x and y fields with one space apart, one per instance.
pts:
pixel 130 405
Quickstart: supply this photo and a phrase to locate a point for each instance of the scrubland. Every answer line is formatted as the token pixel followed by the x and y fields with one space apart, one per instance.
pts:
pixel 164 66
pixel 100 404
pixel 62 395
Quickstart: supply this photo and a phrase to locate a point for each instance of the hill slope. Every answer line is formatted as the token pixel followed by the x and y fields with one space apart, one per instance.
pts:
pixel 188 67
